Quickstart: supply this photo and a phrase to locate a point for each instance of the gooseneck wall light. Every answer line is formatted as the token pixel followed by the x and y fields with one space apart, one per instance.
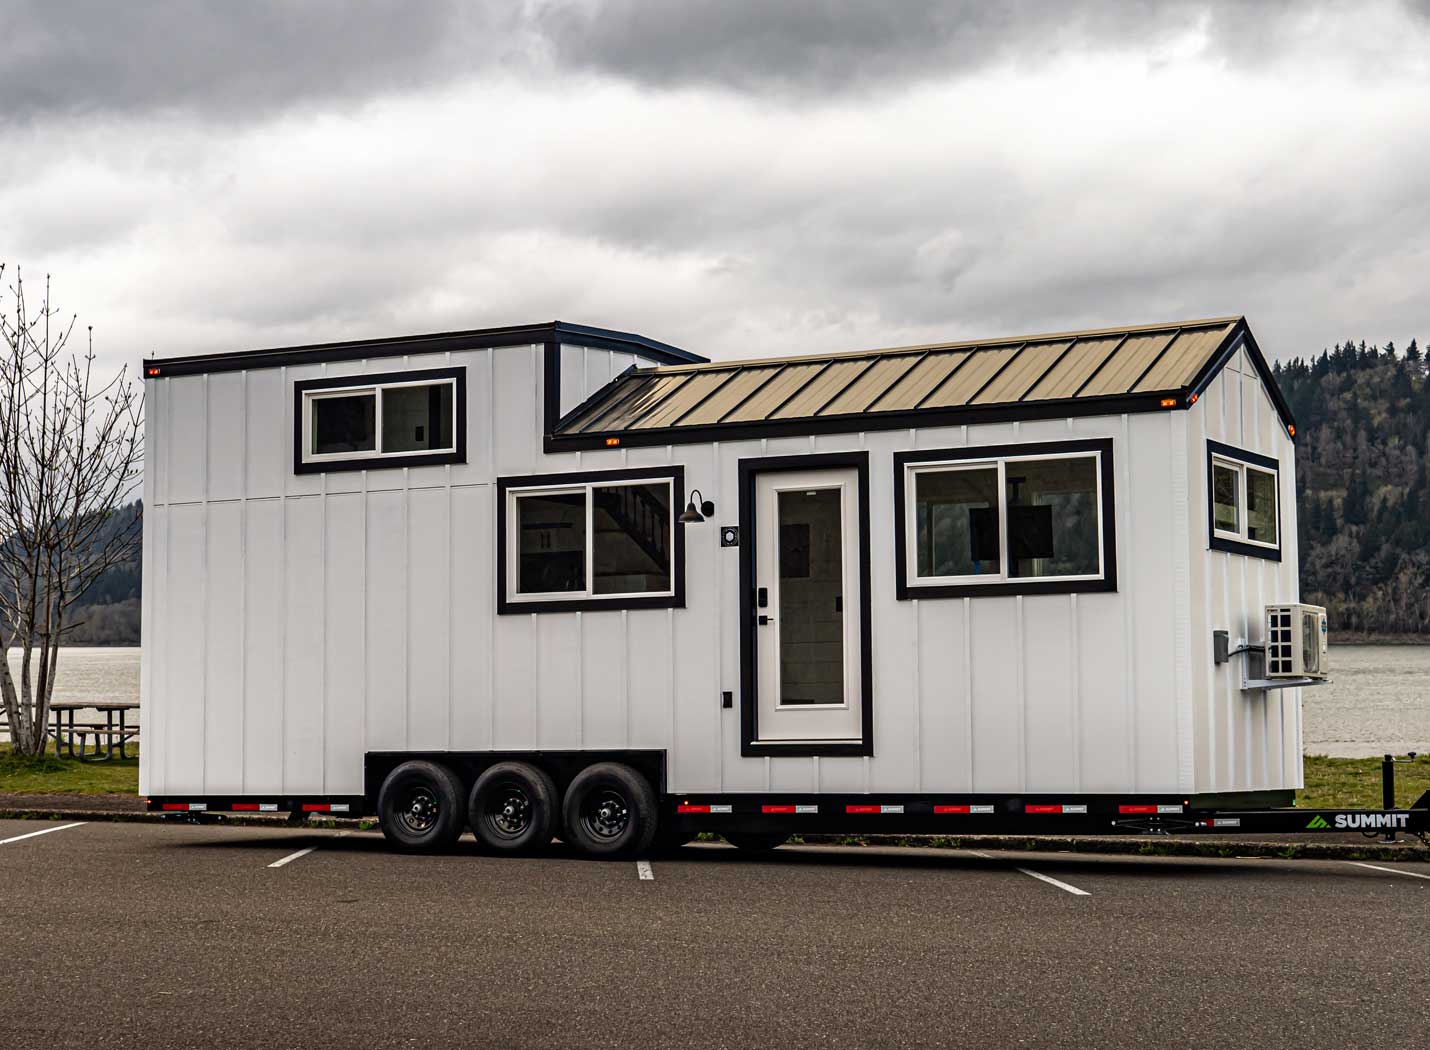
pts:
pixel 696 512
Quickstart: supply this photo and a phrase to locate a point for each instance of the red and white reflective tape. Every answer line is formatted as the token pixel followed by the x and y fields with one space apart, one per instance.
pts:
pixel 325 807
pixel 185 807
pixel 1041 810
pixel 873 809
pixel 685 807
pixel 256 807
pixel 1149 809
pixel 789 809
pixel 1220 822
pixel 963 809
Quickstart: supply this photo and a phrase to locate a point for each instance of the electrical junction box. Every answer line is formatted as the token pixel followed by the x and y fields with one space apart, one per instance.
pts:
pixel 1297 641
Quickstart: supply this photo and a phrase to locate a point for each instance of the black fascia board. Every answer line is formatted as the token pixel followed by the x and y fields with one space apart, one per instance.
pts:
pixel 547 333
pixel 1239 336
pixel 856 422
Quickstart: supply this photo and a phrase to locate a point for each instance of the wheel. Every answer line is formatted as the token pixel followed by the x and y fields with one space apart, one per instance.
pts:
pixel 420 807
pixel 756 841
pixel 610 811
pixel 512 807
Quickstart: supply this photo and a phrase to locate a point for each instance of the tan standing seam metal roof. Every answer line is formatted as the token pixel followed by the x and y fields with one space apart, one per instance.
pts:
pixel 1102 363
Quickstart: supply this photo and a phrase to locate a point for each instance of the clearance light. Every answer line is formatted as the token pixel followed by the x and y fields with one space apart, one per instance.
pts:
pixel 151 371
pixel 1291 430
pixel 1169 402
pixel 612 442
pixel 1193 399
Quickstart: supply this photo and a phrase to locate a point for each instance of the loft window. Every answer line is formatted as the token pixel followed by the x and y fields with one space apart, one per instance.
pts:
pixel 1019 519
pixel 607 539
pixel 1245 507
pixel 366 422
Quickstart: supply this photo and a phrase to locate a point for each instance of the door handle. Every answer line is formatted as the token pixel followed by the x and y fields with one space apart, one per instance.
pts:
pixel 765 620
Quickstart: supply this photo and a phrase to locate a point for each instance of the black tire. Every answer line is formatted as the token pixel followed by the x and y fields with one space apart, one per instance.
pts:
pixel 512 808
pixel 420 807
pixel 756 841
pixel 610 810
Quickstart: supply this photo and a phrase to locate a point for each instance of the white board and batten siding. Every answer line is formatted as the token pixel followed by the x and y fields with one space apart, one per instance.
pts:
pixel 294 622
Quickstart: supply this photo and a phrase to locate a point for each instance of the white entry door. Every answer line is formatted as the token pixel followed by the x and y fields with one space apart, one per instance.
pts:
pixel 807 599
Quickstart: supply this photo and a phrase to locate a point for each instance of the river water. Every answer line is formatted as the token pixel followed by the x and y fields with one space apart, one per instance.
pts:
pixel 1377 701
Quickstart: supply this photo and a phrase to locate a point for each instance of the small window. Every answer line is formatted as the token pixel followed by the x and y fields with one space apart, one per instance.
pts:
pixel 1007 523
pixel 398 419
pixel 597 542
pixel 1245 510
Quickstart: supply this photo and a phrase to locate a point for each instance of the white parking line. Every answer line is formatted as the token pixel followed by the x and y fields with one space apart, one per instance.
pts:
pixel 42 831
pixel 1393 871
pixel 1054 882
pixel 645 871
pixel 301 853
pixel 980 853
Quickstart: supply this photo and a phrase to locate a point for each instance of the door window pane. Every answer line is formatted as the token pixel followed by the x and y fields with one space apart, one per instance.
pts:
pixel 344 424
pixel 551 552
pixel 1226 484
pixel 417 418
pixel 1260 506
pixel 956 515
pixel 631 547
pixel 810 616
pixel 1052 517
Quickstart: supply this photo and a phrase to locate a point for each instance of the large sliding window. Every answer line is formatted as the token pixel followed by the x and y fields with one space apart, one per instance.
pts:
pixel 602 539
pixel 1007 519
pixel 395 419
pixel 1244 512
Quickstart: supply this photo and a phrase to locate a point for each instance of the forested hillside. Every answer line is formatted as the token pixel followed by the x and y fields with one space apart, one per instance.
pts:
pixel 108 613
pixel 1363 429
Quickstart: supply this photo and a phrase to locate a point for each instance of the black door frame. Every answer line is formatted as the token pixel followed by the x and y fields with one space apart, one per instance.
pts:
pixel 749 470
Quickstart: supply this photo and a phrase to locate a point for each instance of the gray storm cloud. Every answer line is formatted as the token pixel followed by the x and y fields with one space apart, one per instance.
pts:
pixel 736 177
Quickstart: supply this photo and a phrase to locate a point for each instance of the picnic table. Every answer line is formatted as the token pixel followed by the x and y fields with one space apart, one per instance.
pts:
pixel 108 737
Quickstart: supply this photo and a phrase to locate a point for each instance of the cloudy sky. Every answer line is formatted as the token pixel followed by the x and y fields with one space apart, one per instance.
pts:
pixel 737 177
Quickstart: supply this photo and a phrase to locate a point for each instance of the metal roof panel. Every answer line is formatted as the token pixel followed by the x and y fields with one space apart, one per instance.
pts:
pixel 1188 352
pixel 923 377
pixel 1065 377
pixel 880 376
pixel 821 389
pixel 963 384
pixel 769 397
pixel 1026 368
pixel 1122 369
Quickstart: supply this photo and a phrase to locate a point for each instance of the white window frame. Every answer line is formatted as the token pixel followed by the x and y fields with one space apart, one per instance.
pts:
pixel 1242 534
pixel 911 556
pixel 513 543
pixel 376 389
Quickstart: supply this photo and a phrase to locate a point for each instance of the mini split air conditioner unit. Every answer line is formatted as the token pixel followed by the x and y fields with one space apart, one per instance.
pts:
pixel 1297 641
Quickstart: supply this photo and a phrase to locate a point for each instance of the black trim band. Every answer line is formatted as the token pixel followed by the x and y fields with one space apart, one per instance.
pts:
pixel 381 462
pixel 676 475
pixel 435 343
pixel 1108 582
pixel 750 745
pixel 1254 459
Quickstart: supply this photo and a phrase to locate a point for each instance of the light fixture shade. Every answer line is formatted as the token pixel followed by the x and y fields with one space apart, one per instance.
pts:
pixel 690 516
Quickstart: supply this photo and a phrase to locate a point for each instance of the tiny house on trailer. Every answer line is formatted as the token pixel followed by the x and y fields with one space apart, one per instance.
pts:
pixel 563 580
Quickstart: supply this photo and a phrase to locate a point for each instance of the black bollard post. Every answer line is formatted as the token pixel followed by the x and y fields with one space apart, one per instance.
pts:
pixel 1387 791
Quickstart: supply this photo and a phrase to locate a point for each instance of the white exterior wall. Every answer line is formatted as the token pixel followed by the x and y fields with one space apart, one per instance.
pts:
pixel 293 622
pixel 1246 741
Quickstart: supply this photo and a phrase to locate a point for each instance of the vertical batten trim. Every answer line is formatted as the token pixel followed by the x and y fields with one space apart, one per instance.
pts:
pixel 243 583
pixel 1180 541
pixel 968 692
pixel 672 685
pixel 581 655
pixel 1075 688
pixel 1129 621
pixel 917 727
pixel 1020 670
pixel 719 590
pixel 204 606
pixel 283 600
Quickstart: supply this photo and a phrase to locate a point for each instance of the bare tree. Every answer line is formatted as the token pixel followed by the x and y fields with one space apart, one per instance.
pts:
pixel 71 452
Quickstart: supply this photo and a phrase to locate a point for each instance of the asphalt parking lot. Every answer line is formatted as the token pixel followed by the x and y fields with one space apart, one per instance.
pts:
pixel 216 936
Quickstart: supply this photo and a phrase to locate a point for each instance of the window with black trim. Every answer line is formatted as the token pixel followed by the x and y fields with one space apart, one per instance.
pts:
pixel 389 420
pixel 1007 519
pixel 600 539
pixel 1244 512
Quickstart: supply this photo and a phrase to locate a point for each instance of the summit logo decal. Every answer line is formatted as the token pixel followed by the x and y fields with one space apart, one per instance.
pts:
pixel 1317 823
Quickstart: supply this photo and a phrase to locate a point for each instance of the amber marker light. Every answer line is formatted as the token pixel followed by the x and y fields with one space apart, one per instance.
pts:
pixel 151 371
pixel 1291 429
pixel 612 442
pixel 1169 402
pixel 1192 400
